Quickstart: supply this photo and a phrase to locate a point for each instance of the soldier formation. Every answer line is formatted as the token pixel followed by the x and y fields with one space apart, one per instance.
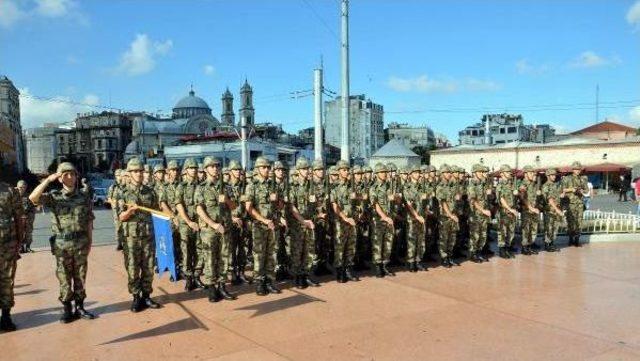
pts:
pixel 286 223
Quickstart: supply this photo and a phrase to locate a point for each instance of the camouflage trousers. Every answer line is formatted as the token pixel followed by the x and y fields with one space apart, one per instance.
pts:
pixel 236 254
pixel 119 235
pixel 139 259
pixel 552 222
pixel 71 267
pixel 382 243
pixel 8 263
pixel 529 227
pixel 264 252
pixel 302 248
pixel 283 242
pixel 415 240
pixel 478 224
pixel 321 244
pixel 215 251
pixel 448 234
pixel 506 229
pixel 28 229
pixel 190 263
pixel 344 245
pixel 574 219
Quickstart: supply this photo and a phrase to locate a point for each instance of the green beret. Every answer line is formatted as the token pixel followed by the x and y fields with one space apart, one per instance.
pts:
pixel 380 168
pixel 211 161
pixel 261 162
pixel 134 164
pixel 302 163
pixel 172 165
pixel 505 168
pixel 576 165
pixel 318 165
pixel 235 165
pixel 158 168
pixel 189 163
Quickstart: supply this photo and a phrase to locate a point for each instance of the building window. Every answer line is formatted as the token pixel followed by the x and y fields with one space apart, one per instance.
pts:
pixel 512 129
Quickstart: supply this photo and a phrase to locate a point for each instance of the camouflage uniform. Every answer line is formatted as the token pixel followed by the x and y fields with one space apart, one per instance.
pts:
pixel 552 192
pixel 114 193
pixel 237 246
pixel 10 215
pixel 345 237
pixel 302 238
pixel 446 193
pixel 190 244
pixel 413 194
pixel 28 216
pixel 381 194
pixel 574 206
pixel 167 196
pixel 322 233
pixel 478 221
pixel 530 219
pixel 506 220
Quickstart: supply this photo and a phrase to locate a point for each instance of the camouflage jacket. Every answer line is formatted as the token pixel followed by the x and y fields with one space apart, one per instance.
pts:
pixel 71 212
pixel 185 195
pixel 209 196
pixel 413 194
pixel 258 193
pixel 10 213
pixel 532 190
pixel 341 196
pixel 321 194
pixel 505 189
pixel 551 190
pixel 235 192
pixel 445 193
pixel 140 223
pixel 477 191
pixel 301 196
pixel 382 195
pixel 168 195
pixel 577 182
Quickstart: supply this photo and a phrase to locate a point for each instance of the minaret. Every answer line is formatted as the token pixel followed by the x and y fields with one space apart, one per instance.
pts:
pixel 246 109
pixel 227 117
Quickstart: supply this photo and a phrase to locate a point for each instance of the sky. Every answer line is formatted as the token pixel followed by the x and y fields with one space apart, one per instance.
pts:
pixel 438 63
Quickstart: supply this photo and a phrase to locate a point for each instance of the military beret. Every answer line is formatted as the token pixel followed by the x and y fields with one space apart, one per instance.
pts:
pixel 210 161
pixel 366 169
pixel 302 163
pixel 134 164
pixel 380 168
pixel 21 183
pixel 576 165
pixel 172 164
pixel 318 165
pixel 66 167
pixel 279 165
pixel 505 168
pixel 261 162
pixel 189 163
pixel 158 168
pixel 528 168
pixel 445 169
pixel 342 164
pixel 551 171
pixel 235 165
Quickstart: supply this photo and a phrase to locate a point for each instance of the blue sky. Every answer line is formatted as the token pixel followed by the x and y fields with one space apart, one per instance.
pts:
pixel 440 63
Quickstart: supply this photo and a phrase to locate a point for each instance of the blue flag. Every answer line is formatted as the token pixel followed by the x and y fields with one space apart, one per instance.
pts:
pixel 164 245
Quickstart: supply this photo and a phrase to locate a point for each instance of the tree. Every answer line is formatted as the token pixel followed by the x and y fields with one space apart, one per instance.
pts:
pixel 423 152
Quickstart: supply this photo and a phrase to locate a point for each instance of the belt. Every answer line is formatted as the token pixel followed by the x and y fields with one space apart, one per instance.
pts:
pixel 70 235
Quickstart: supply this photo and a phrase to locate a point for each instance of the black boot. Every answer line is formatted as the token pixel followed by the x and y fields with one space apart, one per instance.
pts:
pixel 502 253
pixel 340 277
pixel 189 285
pixel 224 293
pixel 475 258
pixel 244 278
pixel 82 313
pixel 576 241
pixel 349 275
pixel 445 262
pixel 379 270
pixel 526 251
pixel 271 288
pixel 119 247
pixel 411 267
pixel 261 288
pixel 387 272
pixel 6 324
pixel 420 267
pixel 297 281
pixel 136 306
pixel 148 302
pixel 453 262
pixel 550 247
pixel 197 283
pixel 213 294
pixel 67 314
pixel 306 279
pixel 533 249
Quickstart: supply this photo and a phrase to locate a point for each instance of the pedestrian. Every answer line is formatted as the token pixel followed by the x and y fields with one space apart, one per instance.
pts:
pixel 11 229
pixel 28 215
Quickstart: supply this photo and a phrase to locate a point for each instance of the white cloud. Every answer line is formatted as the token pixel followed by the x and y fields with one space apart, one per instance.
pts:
pixel 141 56
pixel 633 15
pixel 10 13
pixel 589 59
pixel 54 8
pixel 424 84
pixel 523 66
pixel 209 69
pixel 35 111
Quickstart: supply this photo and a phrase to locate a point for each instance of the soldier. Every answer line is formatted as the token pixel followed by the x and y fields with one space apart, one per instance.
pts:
pixel 478 191
pixel 302 209
pixel 381 197
pixel 343 198
pixel 11 229
pixel 112 197
pixel 448 220
pixel 282 240
pixel 167 198
pixel 214 219
pixel 237 245
pixel 415 198
pixel 139 246
pixel 319 184
pixel 158 179
pixel 71 210
pixel 552 213
pixel 362 217
pixel 574 186
pixel 146 176
pixel 529 192
pixel 190 244
pixel 261 195
pixel 28 216
pixel 430 185
pixel 506 193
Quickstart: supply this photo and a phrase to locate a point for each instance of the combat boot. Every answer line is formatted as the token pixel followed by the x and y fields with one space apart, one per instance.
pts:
pixel 224 293
pixel 340 275
pixel 6 324
pixel 306 279
pixel 349 275
pixel 411 267
pixel 148 302
pixel 197 283
pixel 550 247
pixel 577 242
pixel 119 247
pixel 379 270
pixel 532 249
pixel 188 285
pixel 82 313
pixel 297 281
pixel 453 262
pixel 475 258
pixel 67 315
pixel 502 253
pixel 445 262
pixel 387 272
pixel 214 294
pixel 420 267
pixel 271 288
pixel 526 251
pixel 136 306
pixel 261 289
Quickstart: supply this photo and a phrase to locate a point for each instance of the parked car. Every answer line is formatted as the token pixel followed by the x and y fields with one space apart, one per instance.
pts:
pixel 100 197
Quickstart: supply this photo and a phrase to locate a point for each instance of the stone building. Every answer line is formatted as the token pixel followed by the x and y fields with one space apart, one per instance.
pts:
pixel 11 142
pixel 504 128
pixel 397 153
pixel 411 136
pixel 101 139
pixel 44 145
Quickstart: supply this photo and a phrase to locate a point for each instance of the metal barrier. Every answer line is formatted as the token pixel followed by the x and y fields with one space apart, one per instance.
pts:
pixel 594 222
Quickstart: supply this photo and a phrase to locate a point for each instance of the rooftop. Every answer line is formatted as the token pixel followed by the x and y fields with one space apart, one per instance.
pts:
pixel 606 126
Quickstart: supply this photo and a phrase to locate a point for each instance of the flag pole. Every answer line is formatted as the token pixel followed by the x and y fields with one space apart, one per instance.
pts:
pixel 151 210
